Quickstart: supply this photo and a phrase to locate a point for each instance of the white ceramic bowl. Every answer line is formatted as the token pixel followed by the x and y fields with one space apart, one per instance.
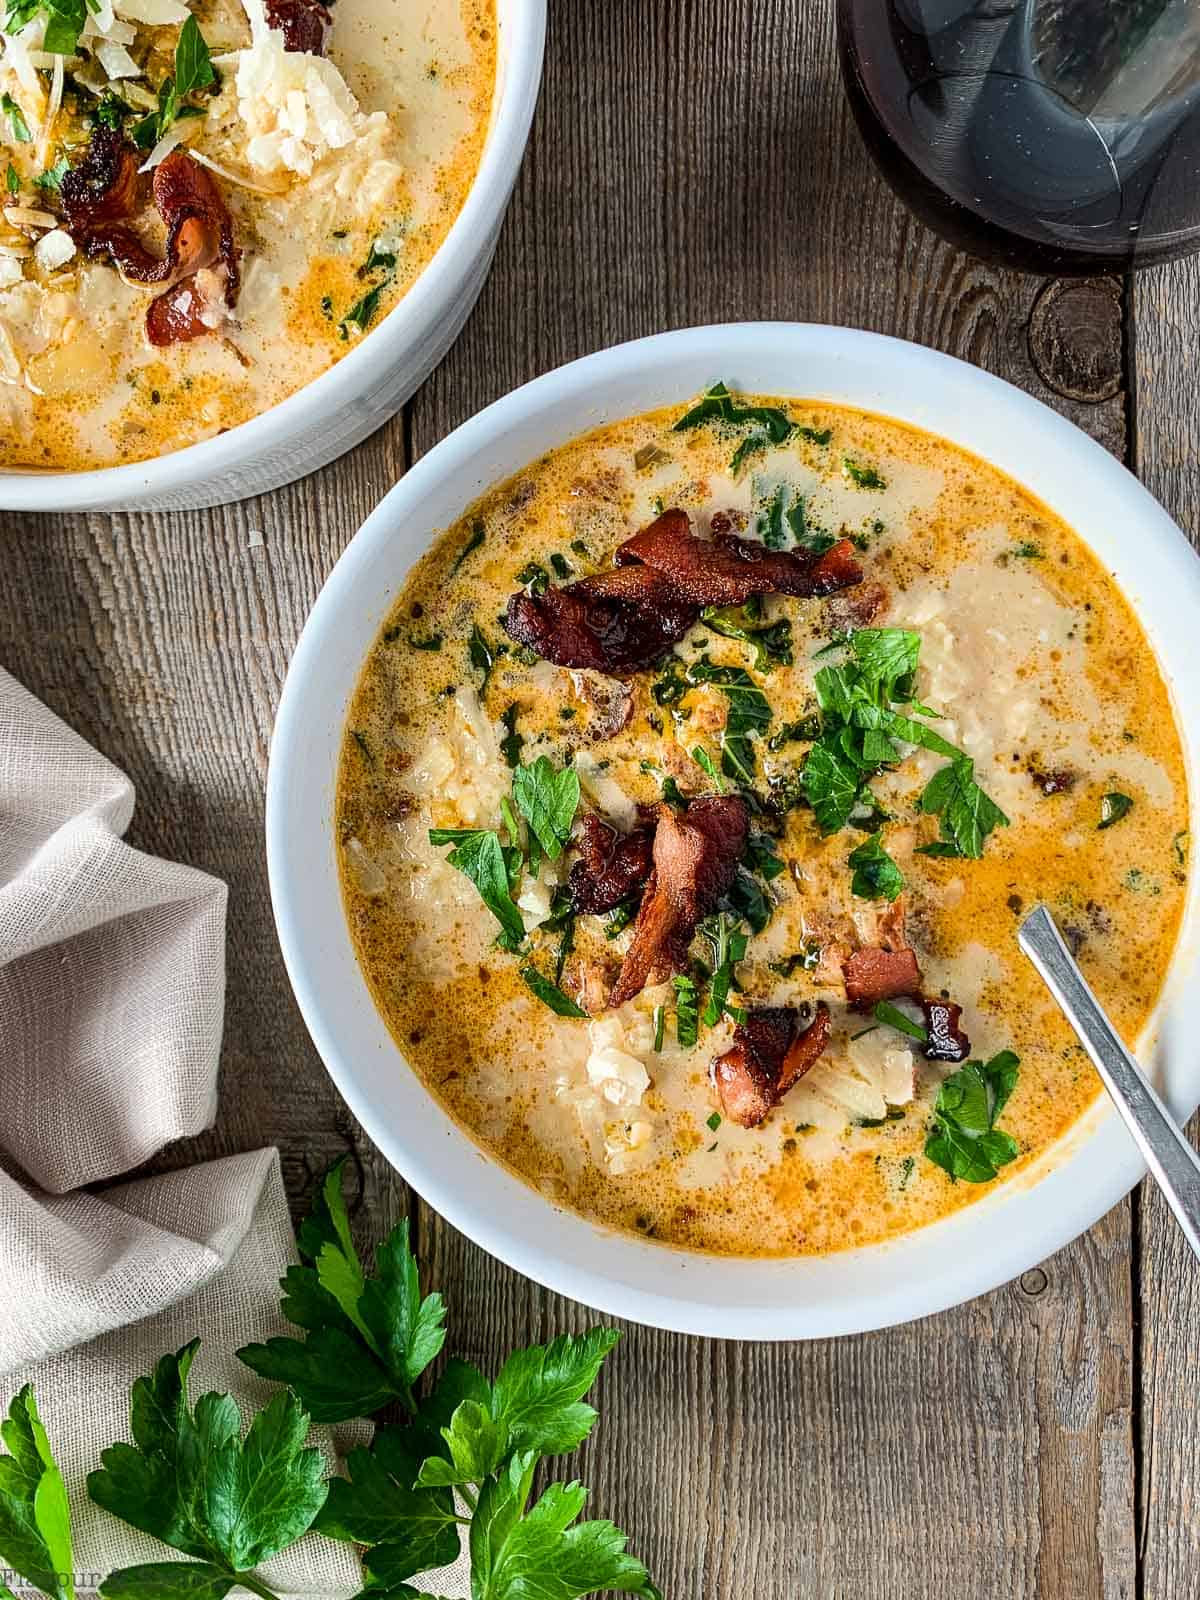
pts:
pixel 362 391
pixel 1017 1223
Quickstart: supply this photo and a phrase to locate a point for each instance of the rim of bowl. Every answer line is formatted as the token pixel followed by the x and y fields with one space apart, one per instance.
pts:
pixel 522 43
pixel 1057 1199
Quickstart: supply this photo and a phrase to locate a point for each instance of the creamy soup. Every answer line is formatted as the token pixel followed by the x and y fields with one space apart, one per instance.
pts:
pixel 205 207
pixel 712 936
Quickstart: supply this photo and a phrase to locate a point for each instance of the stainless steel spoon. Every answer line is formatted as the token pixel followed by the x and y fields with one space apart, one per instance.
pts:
pixel 1171 1159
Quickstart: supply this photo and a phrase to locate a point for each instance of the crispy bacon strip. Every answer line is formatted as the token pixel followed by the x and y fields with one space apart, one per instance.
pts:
pixel 727 570
pixel 611 865
pixel 947 1041
pixel 103 188
pixel 616 622
pixel 768 1057
pixel 873 975
pixel 623 620
pixel 305 24
pixel 695 857
pixel 101 196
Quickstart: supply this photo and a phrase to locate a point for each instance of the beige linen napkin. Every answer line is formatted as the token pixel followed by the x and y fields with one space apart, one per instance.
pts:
pixel 112 973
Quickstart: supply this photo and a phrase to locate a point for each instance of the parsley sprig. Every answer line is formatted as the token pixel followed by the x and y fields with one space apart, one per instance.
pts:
pixel 963 1137
pixel 862 730
pixel 465 1458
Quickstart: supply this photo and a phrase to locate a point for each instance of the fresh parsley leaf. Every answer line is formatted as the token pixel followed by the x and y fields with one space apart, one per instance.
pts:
pixel 748 718
pixel 191 1481
pixel 369 1337
pixel 193 63
pixel 719 406
pixel 963 1138
pixel 548 800
pixel 534 577
pixel 702 759
pixel 13 180
pixel 728 945
pixel 478 535
pixel 876 875
pixel 1113 807
pixel 966 815
pixel 687 1010
pixel 550 994
pixel 754 444
pixel 35 1520
pixel 887 1013
pixel 406 1529
pixel 16 118
pixel 833 782
pixel 864 477
pixel 362 313
pixel 886 655
pixel 479 855
pixel 53 176
pixel 545 1552
pixel 510 745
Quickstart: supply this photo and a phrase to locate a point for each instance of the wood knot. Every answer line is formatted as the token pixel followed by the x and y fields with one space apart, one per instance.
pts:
pixel 1075 337
pixel 1034 1282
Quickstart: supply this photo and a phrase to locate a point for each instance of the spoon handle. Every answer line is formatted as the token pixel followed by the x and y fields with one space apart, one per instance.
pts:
pixel 1170 1157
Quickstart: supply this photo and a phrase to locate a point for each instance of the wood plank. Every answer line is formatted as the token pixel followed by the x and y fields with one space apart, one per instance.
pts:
pixel 1166 376
pixel 164 640
pixel 695 163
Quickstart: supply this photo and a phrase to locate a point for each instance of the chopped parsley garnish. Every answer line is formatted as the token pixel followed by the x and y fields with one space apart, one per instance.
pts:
pixel 16 117
pixel 728 945
pixel 1113 807
pixel 622 914
pixel 193 70
pixel 966 815
pixel 559 565
pixel 687 1010
pixel 702 759
pixel 802 732
pixel 13 180
pixel 377 260
pixel 362 313
pixel 479 855
pixel 550 994
pixel 53 176
pixel 111 111
pixel 876 875
pixel 510 745
pixel 548 800
pixel 859 729
pixel 864 477
pixel 713 1122
pixel 719 406
pixel 481 655
pixel 65 21
pixel 478 534
pixel 534 577
pixel 748 718
pixel 893 1017
pixel 755 444
pixel 963 1138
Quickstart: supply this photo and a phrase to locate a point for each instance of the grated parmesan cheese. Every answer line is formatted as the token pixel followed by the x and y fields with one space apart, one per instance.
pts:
pixel 54 250
pixel 296 107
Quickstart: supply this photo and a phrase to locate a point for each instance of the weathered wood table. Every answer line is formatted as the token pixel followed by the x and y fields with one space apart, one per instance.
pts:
pixel 692 161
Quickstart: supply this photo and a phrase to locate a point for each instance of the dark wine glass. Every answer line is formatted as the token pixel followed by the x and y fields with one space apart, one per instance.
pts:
pixel 1058 136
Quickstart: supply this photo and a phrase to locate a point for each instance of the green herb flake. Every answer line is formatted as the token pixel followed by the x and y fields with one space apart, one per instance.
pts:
pixel 510 745
pixel 713 1122
pixel 687 1010
pixel 550 994
pixel 863 477
pixel 478 534
pixel 559 565
pixel 702 759
pixel 53 176
pixel 361 741
pixel 432 642
pixel 362 312
pixel 660 1028
pixel 548 800
pixel 13 180
pixel 1113 807
pixel 377 261
pixel 820 436
pixel 16 117
pixel 479 856
pixel 718 406
pixel 876 875
pixel 534 577
pixel 748 718
pixel 893 1017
